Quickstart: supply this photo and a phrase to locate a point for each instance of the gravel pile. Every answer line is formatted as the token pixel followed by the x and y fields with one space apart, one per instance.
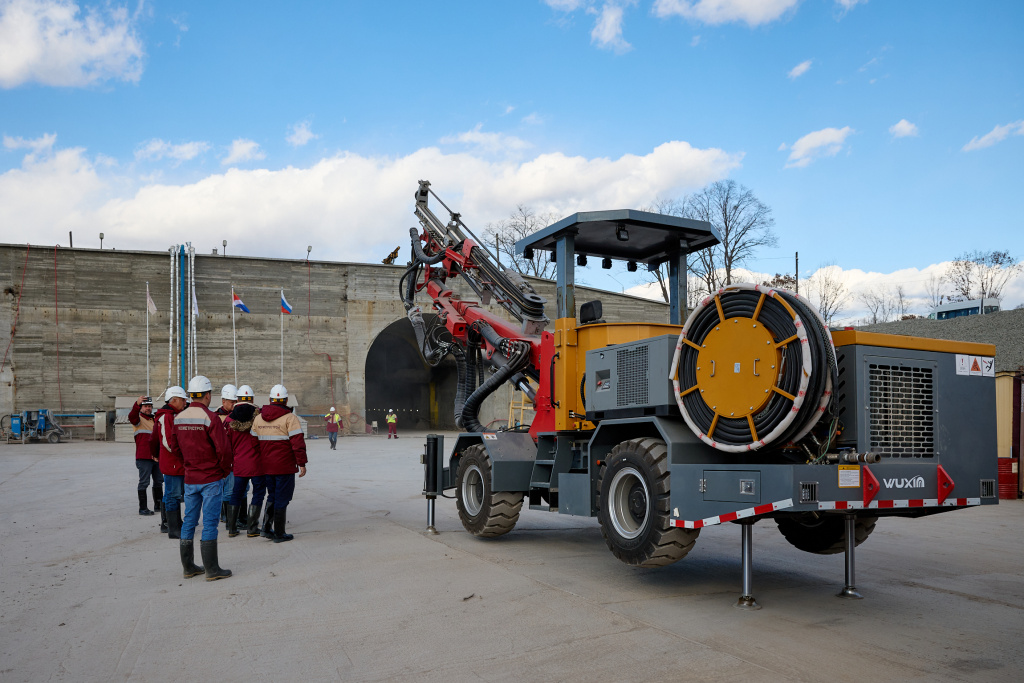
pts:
pixel 1004 329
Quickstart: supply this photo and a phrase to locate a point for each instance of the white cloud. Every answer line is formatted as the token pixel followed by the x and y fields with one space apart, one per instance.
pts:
pixel 847 5
pixel 997 134
pixel 903 129
pixel 508 110
pixel 300 134
pixel 243 150
pixel 695 41
pixel 352 207
pixel 487 142
pixel 533 119
pixel 607 31
pixel 566 5
pixel 751 12
pixel 157 149
pixel 799 70
pixel 826 142
pixel 37 145
pixel 53 42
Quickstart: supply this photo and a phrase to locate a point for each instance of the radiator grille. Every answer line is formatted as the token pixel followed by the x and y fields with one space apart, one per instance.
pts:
pixel 901 411
pixel 632 367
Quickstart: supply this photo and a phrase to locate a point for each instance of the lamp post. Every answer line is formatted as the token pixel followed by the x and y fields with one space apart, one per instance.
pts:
pixel 224 243
pixel 308 249
pixel 101 240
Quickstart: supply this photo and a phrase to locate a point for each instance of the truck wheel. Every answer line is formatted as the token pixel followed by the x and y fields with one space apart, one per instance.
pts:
pixel 483 512
pixel 53 437
pixel 633 506
pixel 825 535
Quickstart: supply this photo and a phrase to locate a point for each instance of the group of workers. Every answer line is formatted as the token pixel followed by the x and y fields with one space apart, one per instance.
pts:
pixel 210 459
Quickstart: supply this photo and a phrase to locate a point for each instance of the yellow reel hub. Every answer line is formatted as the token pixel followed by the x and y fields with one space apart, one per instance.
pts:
pixel 737 367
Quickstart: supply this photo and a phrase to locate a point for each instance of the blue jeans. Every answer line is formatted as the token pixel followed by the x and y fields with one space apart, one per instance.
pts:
pixel 174 490
pixel 205 497
pixel 333 438
pixel 259 488
pixel 229 486
pixel 280 488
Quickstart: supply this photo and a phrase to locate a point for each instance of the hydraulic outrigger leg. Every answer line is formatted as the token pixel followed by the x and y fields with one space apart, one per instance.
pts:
pixel 850 589
pixel 747 600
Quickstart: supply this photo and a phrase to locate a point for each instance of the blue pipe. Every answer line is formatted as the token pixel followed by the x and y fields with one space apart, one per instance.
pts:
pixel 182 267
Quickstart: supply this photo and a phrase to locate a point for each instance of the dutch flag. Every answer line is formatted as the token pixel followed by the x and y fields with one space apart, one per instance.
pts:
pixel 285 306
pixel 237 303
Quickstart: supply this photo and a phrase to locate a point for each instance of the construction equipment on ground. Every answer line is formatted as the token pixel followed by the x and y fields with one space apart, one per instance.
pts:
pixel 750 409
pixel 32 425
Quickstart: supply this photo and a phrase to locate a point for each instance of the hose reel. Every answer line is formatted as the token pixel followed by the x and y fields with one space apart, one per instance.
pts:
pixel 753 366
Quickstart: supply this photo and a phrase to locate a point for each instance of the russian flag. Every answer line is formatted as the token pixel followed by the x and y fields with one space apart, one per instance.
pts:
pixel 237 303
pixel 285 306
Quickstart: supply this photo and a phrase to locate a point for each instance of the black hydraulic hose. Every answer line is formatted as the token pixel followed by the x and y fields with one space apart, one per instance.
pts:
pixel 417 250
pixel 551 386
pixel 460 387
pixel 471 411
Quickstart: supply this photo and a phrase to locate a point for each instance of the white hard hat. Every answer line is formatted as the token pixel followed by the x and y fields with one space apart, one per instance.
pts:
pixel 199 385
pixel 245 393
pixel 332 409
pixel 278 392
pixel 175 392
pixel 391 410
pixel 229 392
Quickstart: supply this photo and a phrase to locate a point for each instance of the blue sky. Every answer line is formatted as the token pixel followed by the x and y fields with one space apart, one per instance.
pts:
pixel 886 136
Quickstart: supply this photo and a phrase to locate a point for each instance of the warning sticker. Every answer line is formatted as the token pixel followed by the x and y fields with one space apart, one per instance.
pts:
pixel 849 476
pixel 988 367
pixel 975 366
pixel 963 364
pixel 490 437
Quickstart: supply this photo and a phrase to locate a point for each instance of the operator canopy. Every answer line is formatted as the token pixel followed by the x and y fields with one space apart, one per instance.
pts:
pixel 626 234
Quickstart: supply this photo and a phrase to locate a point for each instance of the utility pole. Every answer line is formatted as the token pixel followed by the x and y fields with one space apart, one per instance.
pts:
pixel 797 271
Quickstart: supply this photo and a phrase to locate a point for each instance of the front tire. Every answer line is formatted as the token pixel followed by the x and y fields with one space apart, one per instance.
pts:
pixel 483 512
pixel 633 506
pixel 825 535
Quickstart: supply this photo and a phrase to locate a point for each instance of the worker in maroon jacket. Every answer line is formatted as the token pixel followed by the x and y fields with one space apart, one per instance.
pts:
pixel 245 449
pixel 205 448
pixel 282 452
pixel 171 464
pixel 228 397
pixel 141 417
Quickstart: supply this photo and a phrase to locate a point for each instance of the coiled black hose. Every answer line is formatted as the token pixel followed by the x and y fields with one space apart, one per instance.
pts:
pixel 777 320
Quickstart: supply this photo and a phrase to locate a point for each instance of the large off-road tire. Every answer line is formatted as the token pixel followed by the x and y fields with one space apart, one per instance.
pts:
pixel 825 535
pixel 633 506
pixel 53 437
pixel 483 512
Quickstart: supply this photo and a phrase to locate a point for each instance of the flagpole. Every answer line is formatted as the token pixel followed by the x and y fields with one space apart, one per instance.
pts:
pixel 147 338
pixel 234 348
pixel 282 335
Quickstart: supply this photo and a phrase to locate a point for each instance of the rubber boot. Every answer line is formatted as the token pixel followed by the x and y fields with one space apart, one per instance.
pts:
pixel 223 512
pixel 232 520
pixel 158 497
pixel 143 510
pixel 280 517
pixel 163 522
pixel 188 559
pixel 174 522
pixel 243 516
pixel 254 521
pixel 213 570
pixel 268 522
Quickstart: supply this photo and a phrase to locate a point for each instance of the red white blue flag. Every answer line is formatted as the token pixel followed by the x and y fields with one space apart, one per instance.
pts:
pixel 237 303
pixel 285 306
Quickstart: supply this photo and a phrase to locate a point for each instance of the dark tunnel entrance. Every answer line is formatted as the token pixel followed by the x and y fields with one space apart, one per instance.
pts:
pixel 397 377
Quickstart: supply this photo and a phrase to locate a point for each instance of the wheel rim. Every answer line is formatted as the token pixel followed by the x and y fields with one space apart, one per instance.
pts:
pixel 473 491
pixel 630 503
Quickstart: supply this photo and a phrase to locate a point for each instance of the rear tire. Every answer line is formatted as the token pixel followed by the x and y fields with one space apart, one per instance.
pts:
pixel 825 535
pixel 483 512
pixel 633 506
pixel 53 437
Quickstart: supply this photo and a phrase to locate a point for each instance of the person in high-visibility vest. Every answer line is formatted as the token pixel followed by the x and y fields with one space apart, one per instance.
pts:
pixel 332 422
pixel 392 423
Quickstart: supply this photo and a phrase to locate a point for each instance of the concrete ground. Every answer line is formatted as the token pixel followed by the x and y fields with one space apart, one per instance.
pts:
pixel 89 591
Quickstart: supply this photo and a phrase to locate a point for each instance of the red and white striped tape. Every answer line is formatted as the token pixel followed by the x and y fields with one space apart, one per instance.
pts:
pixel 732 516
pixel 894 504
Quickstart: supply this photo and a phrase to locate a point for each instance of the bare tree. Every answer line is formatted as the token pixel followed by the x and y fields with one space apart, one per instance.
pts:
pixel 743 221
pixel 980 275
pixel 881 304
pixel 503 235
pixel 697 281
pixel 781 281
pixel 901 303
pixel 828 292
pixel 934 286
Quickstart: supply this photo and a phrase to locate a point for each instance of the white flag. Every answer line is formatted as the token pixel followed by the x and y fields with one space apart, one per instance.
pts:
pixel 195 304
pixel 149 302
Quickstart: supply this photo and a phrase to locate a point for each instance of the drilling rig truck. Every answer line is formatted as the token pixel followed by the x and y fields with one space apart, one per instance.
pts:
pixel 751 408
